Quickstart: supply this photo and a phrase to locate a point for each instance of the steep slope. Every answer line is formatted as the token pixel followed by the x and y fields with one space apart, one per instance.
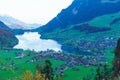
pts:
pixel 81 11
pixel 7 38
pixel 86 25
pixel 97 34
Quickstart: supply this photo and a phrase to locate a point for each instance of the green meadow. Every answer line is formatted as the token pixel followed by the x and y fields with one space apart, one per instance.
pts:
pixel 9 72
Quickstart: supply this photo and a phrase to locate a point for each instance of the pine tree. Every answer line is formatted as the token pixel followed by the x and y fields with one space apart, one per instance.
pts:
pixel 47 70
pixel 116 61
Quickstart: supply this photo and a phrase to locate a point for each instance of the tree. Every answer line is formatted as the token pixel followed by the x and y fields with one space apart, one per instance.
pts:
pixel 98 74
pixel 47 70
pixel 116 61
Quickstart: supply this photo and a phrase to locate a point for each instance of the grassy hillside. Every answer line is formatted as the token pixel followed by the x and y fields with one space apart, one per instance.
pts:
pixel 106 20
pixel 12 67
pixel 98 41
pixel 71 36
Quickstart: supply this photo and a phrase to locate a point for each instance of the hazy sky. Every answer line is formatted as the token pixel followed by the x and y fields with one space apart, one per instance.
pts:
pixel 33 11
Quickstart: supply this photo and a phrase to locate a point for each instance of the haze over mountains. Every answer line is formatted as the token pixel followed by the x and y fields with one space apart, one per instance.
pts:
pixel 17 24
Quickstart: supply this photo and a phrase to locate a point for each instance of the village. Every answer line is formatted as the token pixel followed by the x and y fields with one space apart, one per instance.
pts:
pixel 96 57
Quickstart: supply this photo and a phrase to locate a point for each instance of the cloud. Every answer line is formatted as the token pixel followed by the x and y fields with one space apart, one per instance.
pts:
pixel 33 11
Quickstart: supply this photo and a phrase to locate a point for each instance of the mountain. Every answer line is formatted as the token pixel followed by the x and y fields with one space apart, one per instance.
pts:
pixel 7 38
pixel 17 24
pixel 81 11
pixel 110 1
pixel 86 25
pixel 3 26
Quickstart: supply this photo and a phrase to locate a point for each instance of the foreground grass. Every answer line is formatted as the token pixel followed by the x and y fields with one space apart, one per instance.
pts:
pixel 11 72
pixel 19 63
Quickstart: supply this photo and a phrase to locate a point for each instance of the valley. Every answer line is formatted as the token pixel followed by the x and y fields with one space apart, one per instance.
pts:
pixel 79 42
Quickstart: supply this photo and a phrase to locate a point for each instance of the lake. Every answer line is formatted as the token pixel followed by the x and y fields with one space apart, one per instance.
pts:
pixel 32 41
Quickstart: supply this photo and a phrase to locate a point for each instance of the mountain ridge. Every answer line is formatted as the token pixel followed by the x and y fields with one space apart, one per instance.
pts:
pixel 80 11
pixel 70 30
pixel 17 24
pixel 7 37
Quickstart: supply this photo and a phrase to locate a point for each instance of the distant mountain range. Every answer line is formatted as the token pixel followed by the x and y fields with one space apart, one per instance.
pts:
pixel 7 37
pixel 17 24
